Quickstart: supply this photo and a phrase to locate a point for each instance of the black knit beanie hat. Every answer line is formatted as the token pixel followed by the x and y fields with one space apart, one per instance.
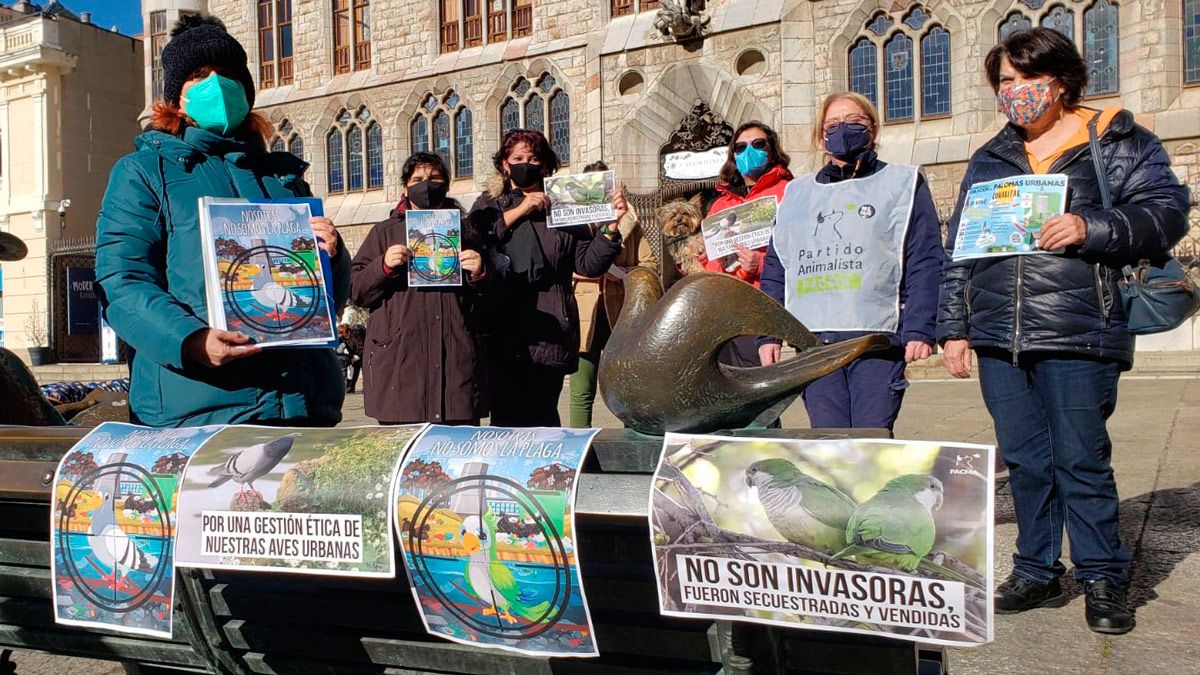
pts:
pixel 201 40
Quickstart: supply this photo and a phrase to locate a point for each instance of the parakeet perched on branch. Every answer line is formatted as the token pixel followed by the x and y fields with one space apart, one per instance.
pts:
pixel 801 508
pixel 895 527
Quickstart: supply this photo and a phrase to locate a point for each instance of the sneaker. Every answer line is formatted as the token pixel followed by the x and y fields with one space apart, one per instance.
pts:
pixel 1018 594
pixel 1107 608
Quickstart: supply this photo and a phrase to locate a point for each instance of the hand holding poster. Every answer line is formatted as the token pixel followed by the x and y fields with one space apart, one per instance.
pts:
pixel 311 501
pixel 581 199
pixel 486 522
pixel 112 527
pixel 891 538
pixel 749 224
pixel 1005 217
pixel 263 272
pixel 435 243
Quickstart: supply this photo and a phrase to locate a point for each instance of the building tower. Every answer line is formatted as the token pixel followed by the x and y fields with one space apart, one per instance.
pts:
pixel 158 16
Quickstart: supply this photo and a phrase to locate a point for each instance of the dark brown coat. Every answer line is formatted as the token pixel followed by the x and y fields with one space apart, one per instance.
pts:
pixel 540 323
pixel 424 356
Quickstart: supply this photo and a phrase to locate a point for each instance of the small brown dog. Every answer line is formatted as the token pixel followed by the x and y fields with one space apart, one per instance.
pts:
pixel 680 221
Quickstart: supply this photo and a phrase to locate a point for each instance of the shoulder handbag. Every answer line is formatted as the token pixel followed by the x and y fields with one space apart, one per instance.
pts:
pixel 1156 298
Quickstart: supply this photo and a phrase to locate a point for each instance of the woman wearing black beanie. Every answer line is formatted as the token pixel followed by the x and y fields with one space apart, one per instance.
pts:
pixel 203 141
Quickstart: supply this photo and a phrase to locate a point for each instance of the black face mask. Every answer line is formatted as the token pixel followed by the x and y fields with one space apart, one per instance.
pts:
pixel 524 175
pixel 427 194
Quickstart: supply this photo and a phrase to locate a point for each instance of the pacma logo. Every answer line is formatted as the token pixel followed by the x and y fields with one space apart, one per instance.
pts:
pixel 866 211
pixel 965 464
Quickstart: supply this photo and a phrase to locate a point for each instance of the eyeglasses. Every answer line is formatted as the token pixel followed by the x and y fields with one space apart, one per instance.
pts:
pixel 831 125
pixel 758 143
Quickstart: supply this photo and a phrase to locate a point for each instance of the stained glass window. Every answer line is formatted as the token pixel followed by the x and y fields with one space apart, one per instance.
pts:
pixel 1015 22
pixel 880 24
pixel 863 78
pixel 452 99
pixel 560 126
pixel 935 73
pixel 898 66
pixel 547 83
pixel 464 161
pixel 419 134
pixel 354 158
pixel 430 103
pixel 441 136
pixel 335 160
pixel 277 144
pixel 521 86
pixel 1061 19
pixel 1033 4
pixel 296 146
pixel 916 18
pixel 535 114
pixel 1100 48
pixel 1191 41
pixel 510 116
pixel 374 156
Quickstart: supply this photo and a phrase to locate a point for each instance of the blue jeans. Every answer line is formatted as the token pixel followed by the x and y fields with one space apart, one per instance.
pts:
pixel 1050 413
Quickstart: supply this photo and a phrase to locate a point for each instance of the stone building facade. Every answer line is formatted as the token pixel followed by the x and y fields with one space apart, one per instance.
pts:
pixel 70 92
pixel 369 72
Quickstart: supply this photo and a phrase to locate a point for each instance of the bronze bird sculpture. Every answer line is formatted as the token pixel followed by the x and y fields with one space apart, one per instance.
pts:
pixel 659 371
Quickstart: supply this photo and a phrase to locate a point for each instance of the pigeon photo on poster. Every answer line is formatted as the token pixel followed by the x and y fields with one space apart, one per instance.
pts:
pixel 581 198
pixel 308 501
pixel 112 527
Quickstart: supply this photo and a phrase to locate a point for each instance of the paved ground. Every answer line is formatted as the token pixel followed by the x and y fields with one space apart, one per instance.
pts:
pixel 1157 458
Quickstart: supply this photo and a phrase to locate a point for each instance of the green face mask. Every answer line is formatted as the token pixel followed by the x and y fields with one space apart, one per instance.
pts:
pixel 217 104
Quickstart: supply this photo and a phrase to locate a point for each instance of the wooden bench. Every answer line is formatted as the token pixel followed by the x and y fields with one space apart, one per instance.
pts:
pixel 228 622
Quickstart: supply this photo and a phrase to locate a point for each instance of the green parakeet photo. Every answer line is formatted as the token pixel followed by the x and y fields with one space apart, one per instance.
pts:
pixel 895 527
pixel 801 508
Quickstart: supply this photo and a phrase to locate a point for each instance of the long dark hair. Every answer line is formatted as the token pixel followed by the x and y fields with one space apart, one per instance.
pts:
pixel 730 176
pixel 536 142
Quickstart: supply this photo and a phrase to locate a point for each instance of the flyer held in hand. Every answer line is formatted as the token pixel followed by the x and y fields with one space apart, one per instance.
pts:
pixel 581 199
pixel 1005 217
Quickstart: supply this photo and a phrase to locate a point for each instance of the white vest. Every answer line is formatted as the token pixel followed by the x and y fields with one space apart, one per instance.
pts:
pixel 842 249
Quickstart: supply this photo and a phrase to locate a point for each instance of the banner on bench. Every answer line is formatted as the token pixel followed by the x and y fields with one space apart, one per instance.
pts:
pixel 112 527
pixel 309 501
pixel 485 518
pixel 887 538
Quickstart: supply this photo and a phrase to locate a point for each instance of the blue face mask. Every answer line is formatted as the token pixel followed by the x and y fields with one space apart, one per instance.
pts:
pixel 217 104
pixel 751 161
pixel 847 141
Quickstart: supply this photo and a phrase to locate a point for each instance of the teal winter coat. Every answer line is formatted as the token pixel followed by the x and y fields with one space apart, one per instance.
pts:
pixel 151 277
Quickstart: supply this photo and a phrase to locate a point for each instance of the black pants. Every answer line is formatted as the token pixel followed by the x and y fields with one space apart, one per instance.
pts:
pixel 525 394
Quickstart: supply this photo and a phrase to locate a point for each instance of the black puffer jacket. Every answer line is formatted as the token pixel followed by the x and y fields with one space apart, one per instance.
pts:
pixel 1069 302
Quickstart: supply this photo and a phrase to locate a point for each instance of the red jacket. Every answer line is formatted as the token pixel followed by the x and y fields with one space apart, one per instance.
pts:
pixel 770 184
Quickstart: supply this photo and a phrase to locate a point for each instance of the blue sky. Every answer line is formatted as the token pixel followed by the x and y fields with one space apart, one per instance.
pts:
pixel 126 15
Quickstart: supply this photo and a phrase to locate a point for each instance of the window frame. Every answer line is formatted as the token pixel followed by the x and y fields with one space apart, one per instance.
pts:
pixel 1079 10
pixel 1184 44
pixel 287 135
pixel 359 120
pixel 354 16
pixel 547 95
pixel 878 32
pixel 467 24
pixel 425 118
pixel 158 40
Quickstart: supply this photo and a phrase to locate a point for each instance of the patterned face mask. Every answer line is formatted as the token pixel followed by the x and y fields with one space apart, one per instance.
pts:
pixel 1024 104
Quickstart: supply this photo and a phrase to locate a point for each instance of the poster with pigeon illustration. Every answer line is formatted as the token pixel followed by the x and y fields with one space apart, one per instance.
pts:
pixel 264 273
pixel 874 537
pixel 308 501
pixel 435 240
pixel 581 198
pixel 485 517
pixel 112 527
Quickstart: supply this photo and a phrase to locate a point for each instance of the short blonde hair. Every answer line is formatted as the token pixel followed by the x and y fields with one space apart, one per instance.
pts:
pixel 868 108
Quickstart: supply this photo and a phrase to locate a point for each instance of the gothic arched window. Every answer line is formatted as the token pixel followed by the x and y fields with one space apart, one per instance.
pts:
pixel 360 164
pixel 1094 30
pixel 1191 41
pixel 443 125
pixel 1100 47
pixel 287 139
pixel 915 82
pixel 525 108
